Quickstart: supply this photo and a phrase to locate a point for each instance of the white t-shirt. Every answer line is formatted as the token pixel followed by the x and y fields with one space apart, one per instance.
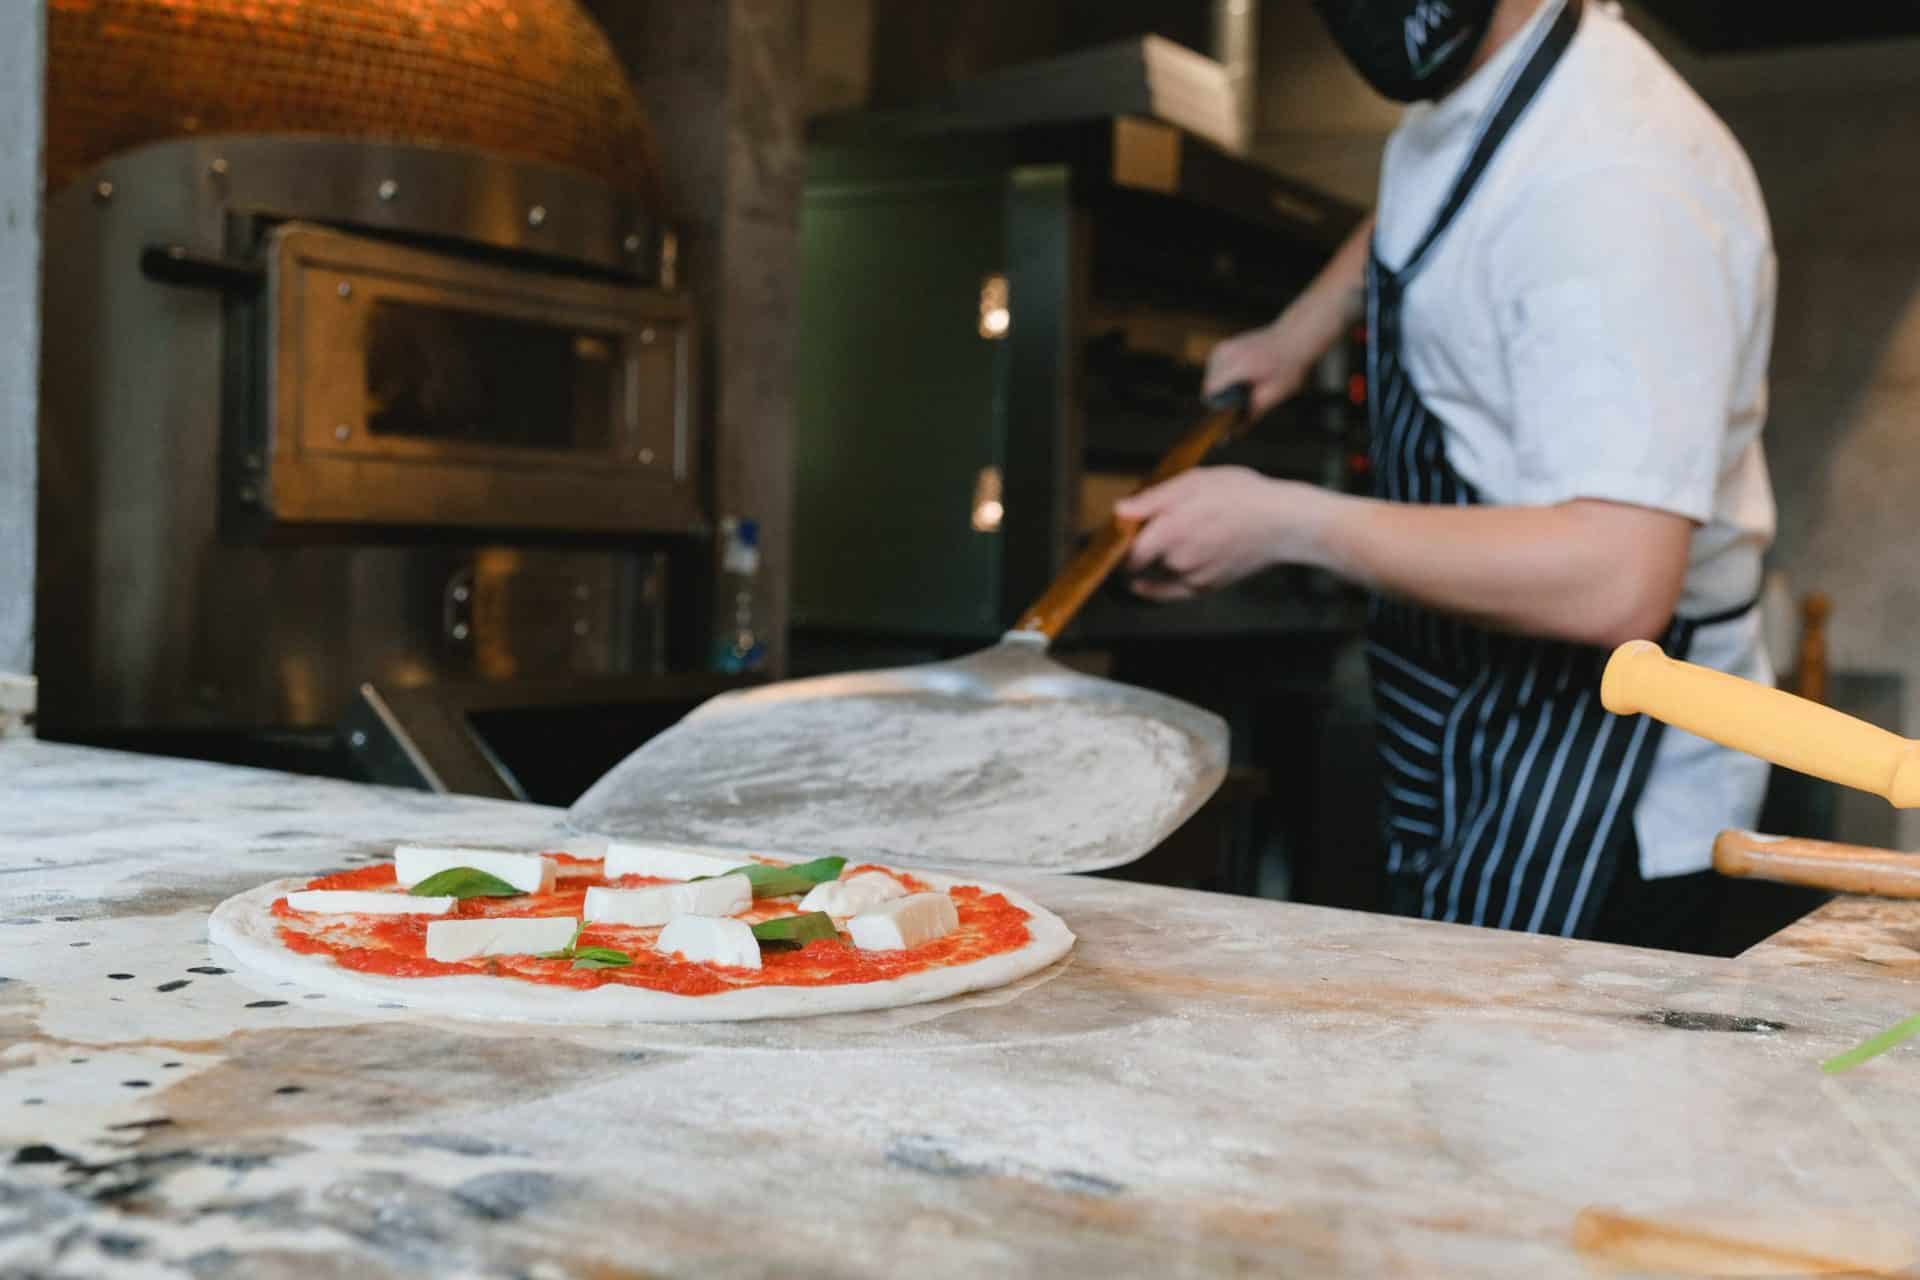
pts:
pixel 1596 324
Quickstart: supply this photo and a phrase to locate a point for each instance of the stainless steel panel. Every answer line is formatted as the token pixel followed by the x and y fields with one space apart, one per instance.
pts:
pixel 414 190
pixel 158 607
pixel 890 305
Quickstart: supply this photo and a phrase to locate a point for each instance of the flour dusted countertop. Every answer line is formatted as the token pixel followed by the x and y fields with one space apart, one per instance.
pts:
pixel 1207 1085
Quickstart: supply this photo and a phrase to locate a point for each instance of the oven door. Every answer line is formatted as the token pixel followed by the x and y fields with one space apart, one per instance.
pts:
pixel 413 388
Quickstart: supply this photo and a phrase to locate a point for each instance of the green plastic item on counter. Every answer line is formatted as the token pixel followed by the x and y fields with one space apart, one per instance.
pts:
pixel 1873 1047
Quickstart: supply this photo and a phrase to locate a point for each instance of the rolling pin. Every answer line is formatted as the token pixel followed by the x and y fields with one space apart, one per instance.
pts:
pixel 1818 864
pixel 1788 731
pixel 1770 723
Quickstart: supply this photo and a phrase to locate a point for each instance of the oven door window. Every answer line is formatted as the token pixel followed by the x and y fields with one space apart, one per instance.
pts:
pixel 467 377
pixel 407 386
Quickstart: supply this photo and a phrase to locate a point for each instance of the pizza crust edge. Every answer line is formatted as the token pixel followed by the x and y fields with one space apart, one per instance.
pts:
pixel 246 927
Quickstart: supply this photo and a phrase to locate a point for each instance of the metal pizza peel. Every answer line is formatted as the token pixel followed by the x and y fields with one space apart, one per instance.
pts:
pixel 1003 759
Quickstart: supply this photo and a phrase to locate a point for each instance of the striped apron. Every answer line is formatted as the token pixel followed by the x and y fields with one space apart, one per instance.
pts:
pixel 1509 790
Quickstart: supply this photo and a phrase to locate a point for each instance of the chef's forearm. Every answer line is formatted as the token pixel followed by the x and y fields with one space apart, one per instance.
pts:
pixel 1597 573
pixel 1315 320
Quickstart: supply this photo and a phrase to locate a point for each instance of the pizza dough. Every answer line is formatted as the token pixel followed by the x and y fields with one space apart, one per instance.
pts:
pixel 246 926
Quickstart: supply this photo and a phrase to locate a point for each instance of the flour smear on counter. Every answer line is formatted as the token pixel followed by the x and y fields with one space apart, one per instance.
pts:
pixel 920 777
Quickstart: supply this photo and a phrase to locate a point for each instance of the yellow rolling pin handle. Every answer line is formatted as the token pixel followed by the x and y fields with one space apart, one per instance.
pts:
pixel 1768 723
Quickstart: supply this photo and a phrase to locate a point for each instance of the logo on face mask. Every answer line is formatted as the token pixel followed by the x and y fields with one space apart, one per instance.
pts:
pixel 1408 49
pixel 1429 16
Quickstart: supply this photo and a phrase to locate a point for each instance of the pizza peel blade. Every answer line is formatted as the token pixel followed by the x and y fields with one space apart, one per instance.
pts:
pixel 1001 760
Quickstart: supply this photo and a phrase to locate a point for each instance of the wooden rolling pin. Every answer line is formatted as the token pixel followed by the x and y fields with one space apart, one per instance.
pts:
pixel 1818 864
pixel 1769 723
pixel 1789 731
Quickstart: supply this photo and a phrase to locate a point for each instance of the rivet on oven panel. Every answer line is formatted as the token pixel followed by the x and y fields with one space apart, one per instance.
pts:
pixel 581 591
pixel 388 188
pixel 460 595
pixel 580 626
pixel 461 631
pixel 103 191
pixel 358 738
pixel 632 242
pixel 342 431
pixel 646 457
pixel 344 289
pixel 218 167
pixel 536 215
pixel 646 337
pixel 249 494
pixel 251 462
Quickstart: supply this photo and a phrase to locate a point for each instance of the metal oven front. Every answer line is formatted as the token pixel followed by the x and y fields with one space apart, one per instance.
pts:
pixel 401 386
pixel 321 414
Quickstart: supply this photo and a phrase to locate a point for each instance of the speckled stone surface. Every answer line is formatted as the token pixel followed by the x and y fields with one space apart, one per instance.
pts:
pixel 1865 934
pixel 1208 1085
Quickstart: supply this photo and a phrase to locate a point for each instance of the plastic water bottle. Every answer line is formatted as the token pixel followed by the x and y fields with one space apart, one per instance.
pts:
pixel 736 640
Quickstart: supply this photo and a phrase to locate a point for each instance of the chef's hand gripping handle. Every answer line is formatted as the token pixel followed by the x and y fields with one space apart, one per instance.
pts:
pixel 1768 723
pixel 1818 864
pixel 1050 614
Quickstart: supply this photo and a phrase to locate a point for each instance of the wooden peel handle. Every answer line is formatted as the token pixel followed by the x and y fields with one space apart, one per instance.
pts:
pixel 1082 576
pixel 1818 864
pixel 1769 723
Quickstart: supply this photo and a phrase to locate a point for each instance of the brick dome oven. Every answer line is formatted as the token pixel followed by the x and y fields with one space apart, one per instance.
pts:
pixel 530 80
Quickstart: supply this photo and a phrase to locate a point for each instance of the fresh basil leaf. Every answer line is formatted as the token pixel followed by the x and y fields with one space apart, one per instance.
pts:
pixel 600 958
pixel 775 882
pixel 795 931
pixel 464 883
pixel 820 870
pixel 781 882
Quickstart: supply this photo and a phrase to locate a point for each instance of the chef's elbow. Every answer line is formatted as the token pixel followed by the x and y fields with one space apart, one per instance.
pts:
pixel 1638 604
pixel 1631 568
pixel 1644 623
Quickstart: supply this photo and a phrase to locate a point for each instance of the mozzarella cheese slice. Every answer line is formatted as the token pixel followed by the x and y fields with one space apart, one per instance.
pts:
pixel 498 936
pixel 664 860
pixel 362 903
pixel 658 904
pixel 527 872
pixel 855 895
pixel 905 923
pixel 710 940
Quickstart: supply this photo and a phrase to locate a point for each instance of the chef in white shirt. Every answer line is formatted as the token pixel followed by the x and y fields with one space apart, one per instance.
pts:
pixel 1568 288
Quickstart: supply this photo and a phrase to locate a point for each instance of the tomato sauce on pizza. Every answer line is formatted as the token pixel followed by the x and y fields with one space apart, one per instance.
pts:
pixel 395 945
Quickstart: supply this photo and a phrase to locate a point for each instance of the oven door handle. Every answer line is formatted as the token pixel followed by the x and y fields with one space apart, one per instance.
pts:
pixel 177 265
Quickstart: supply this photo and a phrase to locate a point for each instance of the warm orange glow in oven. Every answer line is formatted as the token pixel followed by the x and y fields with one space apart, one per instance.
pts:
pixel 526 79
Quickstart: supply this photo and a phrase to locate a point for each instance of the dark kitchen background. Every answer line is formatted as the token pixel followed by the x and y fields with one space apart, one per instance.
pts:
pixel 852 273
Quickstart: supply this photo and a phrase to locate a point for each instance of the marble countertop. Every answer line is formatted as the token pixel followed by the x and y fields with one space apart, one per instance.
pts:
pixel 1208 1084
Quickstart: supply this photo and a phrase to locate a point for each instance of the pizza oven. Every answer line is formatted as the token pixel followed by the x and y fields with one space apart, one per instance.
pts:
pixel 366 365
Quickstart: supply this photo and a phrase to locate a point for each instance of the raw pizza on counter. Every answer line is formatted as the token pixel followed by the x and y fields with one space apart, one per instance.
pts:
pixel 645 933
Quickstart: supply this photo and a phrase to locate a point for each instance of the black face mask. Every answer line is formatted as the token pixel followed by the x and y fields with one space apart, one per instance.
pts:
pixel 1408 50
